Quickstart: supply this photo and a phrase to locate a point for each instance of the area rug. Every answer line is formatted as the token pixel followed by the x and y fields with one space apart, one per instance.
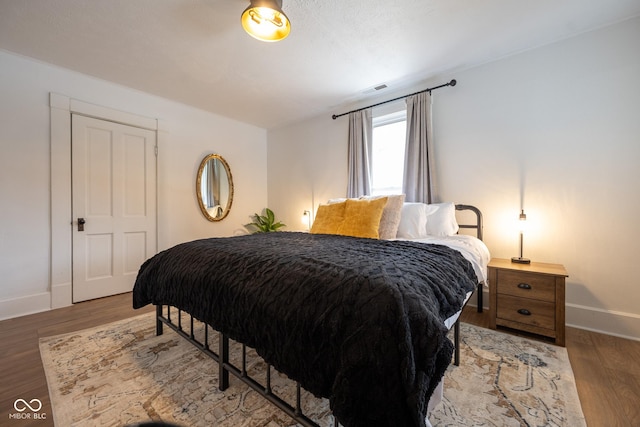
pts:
pixel 121 374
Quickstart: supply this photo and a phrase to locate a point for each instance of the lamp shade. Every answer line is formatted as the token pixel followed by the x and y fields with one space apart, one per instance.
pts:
pixel 265 20
pixel 522 221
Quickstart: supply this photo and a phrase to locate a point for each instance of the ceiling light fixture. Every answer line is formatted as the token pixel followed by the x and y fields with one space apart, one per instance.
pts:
pixel 265 20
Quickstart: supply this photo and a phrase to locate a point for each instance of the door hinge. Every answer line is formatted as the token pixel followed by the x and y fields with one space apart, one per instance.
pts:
pixel 156 150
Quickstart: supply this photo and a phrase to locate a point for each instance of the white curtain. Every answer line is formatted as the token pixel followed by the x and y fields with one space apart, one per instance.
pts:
pixel 359 156
pixel 418 183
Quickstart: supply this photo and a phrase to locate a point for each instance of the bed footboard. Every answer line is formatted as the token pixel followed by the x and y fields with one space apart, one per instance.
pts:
pixel 221 357
pixel 225 367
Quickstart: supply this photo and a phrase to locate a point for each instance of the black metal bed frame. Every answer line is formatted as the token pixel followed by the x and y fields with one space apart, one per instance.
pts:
pixel 225 367
pixel 478 228
pixel 221 356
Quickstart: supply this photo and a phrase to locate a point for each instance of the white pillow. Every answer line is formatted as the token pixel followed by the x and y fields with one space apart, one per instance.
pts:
pixel 338 200
pixel 441 219
pixel 413 221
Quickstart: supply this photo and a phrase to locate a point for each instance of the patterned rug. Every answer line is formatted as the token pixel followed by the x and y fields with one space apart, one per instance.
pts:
pixel 121 373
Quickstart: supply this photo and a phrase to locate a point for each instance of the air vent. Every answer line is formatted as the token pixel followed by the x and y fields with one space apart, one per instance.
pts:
pixel 375 88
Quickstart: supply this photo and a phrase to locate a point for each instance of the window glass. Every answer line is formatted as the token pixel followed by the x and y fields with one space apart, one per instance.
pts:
pixel 387 156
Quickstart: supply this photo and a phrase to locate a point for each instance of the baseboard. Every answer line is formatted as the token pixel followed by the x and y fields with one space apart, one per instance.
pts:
pixel 61 295
pixel 609 322
pixel 15 307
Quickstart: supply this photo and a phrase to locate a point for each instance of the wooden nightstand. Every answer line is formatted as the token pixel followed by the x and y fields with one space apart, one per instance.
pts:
pixel 528 297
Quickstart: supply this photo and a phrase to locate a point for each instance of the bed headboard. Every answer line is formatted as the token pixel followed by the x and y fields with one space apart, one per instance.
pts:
pixel 478 225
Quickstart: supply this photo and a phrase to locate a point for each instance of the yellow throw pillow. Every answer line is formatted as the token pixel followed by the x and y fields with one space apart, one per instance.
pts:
pixel 391 215
pixel 362 218
pixel 328 218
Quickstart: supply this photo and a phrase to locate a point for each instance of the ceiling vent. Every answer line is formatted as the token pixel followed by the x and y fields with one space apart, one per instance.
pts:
pixel 374 89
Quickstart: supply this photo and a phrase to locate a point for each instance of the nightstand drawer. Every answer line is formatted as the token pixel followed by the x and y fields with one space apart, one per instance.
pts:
pixel 527 311
pixel 527 285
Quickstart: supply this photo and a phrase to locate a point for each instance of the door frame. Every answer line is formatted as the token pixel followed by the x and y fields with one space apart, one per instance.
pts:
pixel 61 108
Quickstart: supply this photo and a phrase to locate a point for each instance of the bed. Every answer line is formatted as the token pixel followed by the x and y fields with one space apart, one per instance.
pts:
pixel 360 321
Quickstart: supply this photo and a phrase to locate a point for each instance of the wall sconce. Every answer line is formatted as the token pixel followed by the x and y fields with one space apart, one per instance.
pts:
pixel 265 20
pixel 306 219
pixel 522 223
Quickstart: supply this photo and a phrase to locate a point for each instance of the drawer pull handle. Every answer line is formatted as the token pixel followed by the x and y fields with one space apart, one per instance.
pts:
pixel 524 312
pixel 524 286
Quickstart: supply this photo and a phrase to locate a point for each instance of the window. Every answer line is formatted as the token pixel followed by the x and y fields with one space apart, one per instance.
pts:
pixel 387 154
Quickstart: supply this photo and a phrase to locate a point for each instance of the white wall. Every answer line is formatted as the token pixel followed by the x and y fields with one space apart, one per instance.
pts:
pixel 307 165
pixel 25 164
pixel 555 130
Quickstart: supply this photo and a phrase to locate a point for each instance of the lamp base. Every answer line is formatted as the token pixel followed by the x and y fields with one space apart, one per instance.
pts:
pixel 520 260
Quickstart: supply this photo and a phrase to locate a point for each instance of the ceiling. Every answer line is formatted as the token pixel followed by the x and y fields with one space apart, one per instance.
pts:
pixel 195 51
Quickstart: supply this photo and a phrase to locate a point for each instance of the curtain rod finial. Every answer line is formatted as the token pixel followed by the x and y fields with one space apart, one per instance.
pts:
pixel 334 117
pixel 453 82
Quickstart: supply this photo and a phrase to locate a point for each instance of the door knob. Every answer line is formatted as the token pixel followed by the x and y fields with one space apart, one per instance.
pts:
pixel 81 222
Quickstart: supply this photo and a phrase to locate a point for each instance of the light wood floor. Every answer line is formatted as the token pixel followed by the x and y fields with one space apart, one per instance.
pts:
pixel 607 369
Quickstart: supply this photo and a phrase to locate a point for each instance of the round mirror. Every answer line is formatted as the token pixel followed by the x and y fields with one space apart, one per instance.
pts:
pixel 214 187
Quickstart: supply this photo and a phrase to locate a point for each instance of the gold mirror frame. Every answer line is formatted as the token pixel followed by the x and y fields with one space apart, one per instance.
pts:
pixel 224 193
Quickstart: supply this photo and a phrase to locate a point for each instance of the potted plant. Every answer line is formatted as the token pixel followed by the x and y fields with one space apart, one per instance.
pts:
pixel 264 223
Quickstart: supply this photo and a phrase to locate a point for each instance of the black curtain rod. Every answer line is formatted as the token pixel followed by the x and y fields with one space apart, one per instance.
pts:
pixel 451 83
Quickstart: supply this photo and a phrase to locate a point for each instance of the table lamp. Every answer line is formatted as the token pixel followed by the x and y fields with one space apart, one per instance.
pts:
pixel 522 224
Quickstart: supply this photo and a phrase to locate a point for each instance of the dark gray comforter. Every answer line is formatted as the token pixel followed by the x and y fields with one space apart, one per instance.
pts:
pixel 358 321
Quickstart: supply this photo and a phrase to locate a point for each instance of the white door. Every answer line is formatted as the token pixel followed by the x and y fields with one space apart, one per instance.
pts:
pixel 113 205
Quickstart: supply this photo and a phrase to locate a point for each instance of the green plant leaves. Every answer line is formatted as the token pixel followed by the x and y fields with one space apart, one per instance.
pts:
pixel 264 223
